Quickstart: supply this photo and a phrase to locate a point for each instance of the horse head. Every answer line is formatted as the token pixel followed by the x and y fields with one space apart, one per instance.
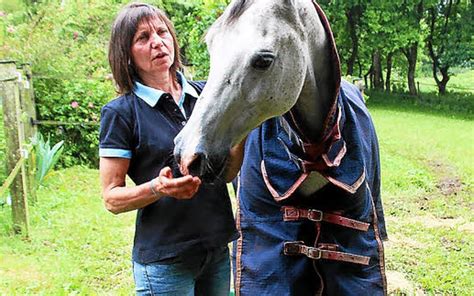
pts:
pixel 264 56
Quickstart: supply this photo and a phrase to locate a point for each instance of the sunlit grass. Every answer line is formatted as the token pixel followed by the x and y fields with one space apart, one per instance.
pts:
pixel 427 187
pixel 461 81
pixel 75 245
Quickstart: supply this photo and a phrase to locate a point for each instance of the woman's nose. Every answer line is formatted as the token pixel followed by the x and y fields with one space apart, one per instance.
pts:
pixel 156 40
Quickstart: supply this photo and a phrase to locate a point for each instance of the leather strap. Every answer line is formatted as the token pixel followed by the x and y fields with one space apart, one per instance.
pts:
pixel 294 214
pixel 298 248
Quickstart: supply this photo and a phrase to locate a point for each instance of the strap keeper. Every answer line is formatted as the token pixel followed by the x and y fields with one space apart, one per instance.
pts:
pixel 292 248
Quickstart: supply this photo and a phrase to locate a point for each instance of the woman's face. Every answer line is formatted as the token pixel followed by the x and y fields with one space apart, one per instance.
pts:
pixel 152 48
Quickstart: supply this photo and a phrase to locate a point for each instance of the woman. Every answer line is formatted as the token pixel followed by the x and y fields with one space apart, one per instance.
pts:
pixel 182 226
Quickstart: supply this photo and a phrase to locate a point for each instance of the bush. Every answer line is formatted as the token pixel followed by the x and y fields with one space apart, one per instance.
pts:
pixel 66 46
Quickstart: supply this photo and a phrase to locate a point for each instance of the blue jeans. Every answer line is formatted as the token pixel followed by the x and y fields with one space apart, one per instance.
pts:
pixel 201 273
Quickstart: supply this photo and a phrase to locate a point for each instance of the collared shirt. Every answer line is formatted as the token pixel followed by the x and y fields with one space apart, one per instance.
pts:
pixel 141 126
pixel 153 95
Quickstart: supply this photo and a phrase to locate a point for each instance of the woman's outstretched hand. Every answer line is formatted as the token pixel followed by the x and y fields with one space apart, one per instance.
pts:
pixel 180 188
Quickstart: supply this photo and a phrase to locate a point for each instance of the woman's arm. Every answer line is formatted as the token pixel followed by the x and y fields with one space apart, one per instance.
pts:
pixel 119 199
pixel 236 157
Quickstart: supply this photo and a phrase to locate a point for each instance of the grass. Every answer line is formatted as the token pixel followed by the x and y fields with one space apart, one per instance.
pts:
pixel 461 81
pixel 428 178
pixel 76 247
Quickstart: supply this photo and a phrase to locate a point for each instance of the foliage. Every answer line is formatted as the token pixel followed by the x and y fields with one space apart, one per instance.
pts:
pixel 45 157
pixel 74 101
pixel 66 45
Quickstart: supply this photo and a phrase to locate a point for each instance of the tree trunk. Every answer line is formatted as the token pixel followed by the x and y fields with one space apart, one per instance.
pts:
pixel 445 78
pixel 378 79
pixel 353 18
pixel 389 71
pixel 368 74
pixel 411 53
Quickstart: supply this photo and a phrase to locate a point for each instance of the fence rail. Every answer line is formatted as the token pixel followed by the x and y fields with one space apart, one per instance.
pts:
pixel 9 180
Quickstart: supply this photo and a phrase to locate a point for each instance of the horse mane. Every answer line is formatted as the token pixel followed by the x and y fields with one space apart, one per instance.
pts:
pixel 236 10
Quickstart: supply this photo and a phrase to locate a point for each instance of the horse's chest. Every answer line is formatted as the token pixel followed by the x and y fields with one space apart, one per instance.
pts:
pixel 314 182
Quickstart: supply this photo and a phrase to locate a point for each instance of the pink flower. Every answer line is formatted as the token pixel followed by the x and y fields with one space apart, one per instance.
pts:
pixel 90 105
pixel 2 13
pixel 11 29
pixel 74 104
pixel 75 35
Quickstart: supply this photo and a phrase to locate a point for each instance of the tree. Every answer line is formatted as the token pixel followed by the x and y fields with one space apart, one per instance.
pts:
pixel 412 31
pixel 449 38
pixel 346 20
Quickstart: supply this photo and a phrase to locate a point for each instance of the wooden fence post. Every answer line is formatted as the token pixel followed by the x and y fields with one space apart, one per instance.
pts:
pixel 9 91
pixel 28 108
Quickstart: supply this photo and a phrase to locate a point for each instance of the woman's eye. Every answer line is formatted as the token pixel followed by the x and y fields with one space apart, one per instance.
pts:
pixel 141 37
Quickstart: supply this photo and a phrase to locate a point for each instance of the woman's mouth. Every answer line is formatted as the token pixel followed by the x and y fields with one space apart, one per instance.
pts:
pixel 159 56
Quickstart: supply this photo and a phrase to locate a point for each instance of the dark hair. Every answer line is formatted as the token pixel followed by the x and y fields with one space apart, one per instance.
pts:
pixel 122 33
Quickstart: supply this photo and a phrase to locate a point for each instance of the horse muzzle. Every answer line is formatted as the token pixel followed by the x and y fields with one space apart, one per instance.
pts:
pixel 199 164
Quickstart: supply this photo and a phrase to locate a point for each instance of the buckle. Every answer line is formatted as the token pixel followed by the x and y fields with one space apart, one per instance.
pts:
pixel 315 215
pixel 312 253
pixel 293 248
pixel 298 248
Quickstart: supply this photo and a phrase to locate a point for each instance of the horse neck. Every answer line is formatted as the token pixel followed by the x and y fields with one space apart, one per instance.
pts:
pixel 316 98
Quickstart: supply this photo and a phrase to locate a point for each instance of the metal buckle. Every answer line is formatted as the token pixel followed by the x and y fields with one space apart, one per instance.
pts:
pixel 315 215
pixel 313 253
pixel 298 248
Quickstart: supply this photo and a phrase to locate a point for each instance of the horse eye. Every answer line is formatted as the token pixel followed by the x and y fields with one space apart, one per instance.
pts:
pixel 262 61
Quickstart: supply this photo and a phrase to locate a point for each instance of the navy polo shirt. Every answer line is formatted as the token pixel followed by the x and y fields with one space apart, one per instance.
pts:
pixel 141 126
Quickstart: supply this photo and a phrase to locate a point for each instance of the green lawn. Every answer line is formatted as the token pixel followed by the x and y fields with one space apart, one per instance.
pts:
pixel 427 186
pixel 461 81
pixel 77 247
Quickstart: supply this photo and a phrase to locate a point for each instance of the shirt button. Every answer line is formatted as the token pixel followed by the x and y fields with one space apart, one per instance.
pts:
pixel 183 123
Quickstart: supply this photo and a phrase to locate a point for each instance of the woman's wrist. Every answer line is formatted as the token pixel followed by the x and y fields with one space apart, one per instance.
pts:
pixel 155 192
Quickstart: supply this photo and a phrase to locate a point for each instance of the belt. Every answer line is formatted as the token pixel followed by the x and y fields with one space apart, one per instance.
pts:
pixel 293 214
pixel 298 248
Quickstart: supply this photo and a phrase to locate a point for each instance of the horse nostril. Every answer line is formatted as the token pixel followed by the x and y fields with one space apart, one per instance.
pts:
pixel 197 165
